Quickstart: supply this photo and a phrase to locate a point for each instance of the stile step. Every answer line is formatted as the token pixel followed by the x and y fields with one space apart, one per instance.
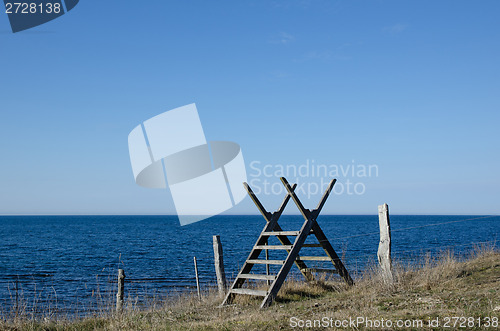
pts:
pixel 257 276
pixel 266 261
pixel 281 233
pixel 248 291
pixel 313 258
pixel 287 247
pixel 331 271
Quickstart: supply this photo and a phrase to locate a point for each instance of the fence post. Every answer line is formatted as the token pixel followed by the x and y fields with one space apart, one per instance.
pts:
pixel 219 266
pixel 384 246
pixel 121 286
pixel 197 279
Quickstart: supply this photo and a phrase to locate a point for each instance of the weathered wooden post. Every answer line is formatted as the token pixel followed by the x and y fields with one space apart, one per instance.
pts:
pixel 219 266
pixel 197 279
pixel 384 246
pixel 121 287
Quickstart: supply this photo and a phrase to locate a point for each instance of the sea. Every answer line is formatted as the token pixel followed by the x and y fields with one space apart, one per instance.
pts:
pixel 68 265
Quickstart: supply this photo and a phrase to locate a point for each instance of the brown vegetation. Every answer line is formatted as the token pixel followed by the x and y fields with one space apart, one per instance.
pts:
pixel 436 289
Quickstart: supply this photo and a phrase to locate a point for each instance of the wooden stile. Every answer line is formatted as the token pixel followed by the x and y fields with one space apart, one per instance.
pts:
pixel 272 228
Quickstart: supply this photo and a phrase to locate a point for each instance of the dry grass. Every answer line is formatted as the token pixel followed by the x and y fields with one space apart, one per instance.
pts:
pixel 436 288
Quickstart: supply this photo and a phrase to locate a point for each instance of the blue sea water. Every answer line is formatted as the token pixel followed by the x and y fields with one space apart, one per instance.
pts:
pixel 69 263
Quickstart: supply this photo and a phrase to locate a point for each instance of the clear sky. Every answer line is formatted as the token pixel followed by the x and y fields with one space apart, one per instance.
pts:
pixel 412 87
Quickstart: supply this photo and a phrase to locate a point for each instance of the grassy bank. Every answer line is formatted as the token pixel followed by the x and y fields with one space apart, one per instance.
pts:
pixel 431 291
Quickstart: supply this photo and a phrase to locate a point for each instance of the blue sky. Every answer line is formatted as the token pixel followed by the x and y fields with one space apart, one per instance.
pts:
pixel 412 87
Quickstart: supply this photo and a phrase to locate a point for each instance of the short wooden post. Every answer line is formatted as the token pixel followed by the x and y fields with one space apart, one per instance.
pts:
pixel 219 266
pixel 197 279
pixel 121 287
pixel 384 247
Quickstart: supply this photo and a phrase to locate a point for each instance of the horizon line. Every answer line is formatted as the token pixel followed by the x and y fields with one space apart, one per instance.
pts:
pixel 257 214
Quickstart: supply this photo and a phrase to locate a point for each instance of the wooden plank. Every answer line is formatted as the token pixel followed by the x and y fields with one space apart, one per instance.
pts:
pixel 267 215
pixel 321 203
pixel 256 261
pixel 257 276
pixel 281 233
pixel 320 270
pixel 262 247
pixel 313 258
pixel 280 210
pixel 248 291
pixel 384 246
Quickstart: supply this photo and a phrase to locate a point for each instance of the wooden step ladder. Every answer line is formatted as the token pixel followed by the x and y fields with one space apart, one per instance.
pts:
pixel 272 228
